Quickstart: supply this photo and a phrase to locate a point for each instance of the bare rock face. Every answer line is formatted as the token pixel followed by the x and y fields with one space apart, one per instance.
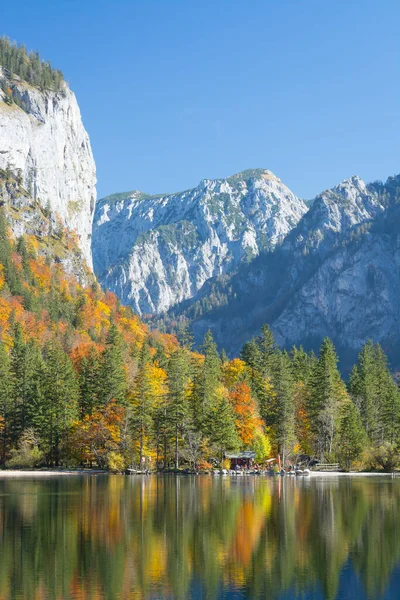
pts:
pixel 43 139
pixel 335 274
pixel 156 251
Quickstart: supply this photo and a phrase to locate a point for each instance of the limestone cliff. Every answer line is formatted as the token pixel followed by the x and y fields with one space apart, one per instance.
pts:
pixel 43 140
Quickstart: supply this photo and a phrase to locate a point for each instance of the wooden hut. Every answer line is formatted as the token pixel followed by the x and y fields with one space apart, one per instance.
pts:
pixel 242 460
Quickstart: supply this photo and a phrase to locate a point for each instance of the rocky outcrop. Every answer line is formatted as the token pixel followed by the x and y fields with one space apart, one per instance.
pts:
pixel 155 251
pixel 42 138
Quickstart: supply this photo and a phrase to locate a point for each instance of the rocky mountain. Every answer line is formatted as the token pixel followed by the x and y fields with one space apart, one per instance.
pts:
pixel 336 274
pixel 155 251
pixel 44 144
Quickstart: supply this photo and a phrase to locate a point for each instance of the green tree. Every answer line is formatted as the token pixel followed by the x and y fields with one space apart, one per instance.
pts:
pixel 141 401
pixel 26 371
pixel 112 379
pixel 328 393
pixel 351 435
pixel 6 394
pixel 285 405
pixel 177 407
pixel 205 386
pixel 376 395
pixel 61 396
pixel 223 434
pixel 89 377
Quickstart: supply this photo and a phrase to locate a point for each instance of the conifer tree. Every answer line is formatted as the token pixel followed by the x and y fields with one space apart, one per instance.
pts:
pixel 205 385
pixel 328 393
pixel 223 434
pixel 6 394
pixel 269 351
pixel 61 394
pixel 351 436
pixel 177 410
pixel 112 380
pixel 89 376
pixel 364 390
pixel 26 370
pixel 285 405
pixel 141 401
pixel 376 395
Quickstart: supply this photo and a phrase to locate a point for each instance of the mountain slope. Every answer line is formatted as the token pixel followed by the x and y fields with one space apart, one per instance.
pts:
pixel 155 251
pixel 335 274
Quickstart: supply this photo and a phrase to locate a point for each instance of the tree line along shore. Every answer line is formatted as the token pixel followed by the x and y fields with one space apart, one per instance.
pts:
pixel 83 382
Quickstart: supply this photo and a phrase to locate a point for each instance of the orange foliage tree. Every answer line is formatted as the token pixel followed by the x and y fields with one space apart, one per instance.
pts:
pixel 247 418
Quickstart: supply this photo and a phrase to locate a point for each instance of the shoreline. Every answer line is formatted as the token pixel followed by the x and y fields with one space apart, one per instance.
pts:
pixel 71 472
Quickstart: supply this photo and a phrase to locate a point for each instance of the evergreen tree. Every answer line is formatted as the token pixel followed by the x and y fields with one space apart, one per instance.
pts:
pixel 328 393
pixel 205 385
pixel 223 434
pixel 376 395
pixel 142 402
pixel 351 435
pixel 177 409
pixel 61 395
pixel 285 405
pixel 364 390
pixel 6 394
pixel 269 351
pixel 89 376
pixel 26 370
pixel 112 380
pixel 302 364
pixel 10 271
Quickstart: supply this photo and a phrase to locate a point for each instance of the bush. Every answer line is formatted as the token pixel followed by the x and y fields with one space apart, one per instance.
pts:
pixel 386 457
pixel 116 462
pixel 27 455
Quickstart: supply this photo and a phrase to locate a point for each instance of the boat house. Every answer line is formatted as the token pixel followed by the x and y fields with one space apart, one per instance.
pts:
pixel 242 460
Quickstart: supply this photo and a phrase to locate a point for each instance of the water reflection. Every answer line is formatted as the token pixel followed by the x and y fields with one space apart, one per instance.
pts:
pixel 198 537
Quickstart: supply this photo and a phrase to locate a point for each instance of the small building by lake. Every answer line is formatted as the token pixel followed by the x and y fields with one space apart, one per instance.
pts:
pixel 241 460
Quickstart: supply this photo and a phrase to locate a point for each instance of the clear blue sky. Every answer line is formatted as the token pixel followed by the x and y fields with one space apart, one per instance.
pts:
pixel 173 91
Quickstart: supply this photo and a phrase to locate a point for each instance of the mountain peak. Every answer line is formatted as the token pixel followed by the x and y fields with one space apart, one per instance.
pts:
pixel 253 174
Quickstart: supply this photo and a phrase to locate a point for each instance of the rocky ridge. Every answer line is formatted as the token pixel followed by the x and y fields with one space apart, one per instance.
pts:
pixel 335 274
pixel 155 251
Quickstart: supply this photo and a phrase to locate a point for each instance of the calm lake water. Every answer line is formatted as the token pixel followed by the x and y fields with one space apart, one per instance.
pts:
pixel 116 537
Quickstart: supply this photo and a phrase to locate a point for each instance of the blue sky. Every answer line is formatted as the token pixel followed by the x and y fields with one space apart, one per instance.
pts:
pixel 173 91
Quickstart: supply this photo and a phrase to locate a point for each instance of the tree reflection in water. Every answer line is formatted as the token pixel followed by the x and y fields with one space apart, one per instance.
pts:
pixel 110 537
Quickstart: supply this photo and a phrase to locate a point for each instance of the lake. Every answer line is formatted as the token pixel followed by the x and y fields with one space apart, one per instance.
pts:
pixel 166 537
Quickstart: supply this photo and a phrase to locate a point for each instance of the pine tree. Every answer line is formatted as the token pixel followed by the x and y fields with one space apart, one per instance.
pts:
pixel 26 370
pixel 6 394
pixel 205 386
pixel 112 379
pixel 351 435
pixel 89 377
pixel 364 390
pixel 269 351
pixel 177 408
pixel 376 395
pixel 223 434
pixel 285 405
pixel 328 393
pixel 61 393
pixel 142 401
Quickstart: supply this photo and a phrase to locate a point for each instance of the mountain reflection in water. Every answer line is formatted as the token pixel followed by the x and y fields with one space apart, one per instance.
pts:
pixel 155 537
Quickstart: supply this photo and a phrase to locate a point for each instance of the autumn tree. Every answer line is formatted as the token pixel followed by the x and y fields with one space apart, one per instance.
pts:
pixel 248 421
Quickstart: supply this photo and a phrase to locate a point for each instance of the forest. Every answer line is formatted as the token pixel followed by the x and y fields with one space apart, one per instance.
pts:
pixel 83 382
pixel 29 66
